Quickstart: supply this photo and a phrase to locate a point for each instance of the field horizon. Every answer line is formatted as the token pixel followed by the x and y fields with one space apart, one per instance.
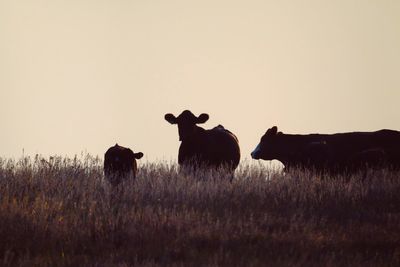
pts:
pixel 60 211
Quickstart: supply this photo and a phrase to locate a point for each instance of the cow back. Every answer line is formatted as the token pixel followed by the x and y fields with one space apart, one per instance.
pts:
pixel 215 147
pixel 119 163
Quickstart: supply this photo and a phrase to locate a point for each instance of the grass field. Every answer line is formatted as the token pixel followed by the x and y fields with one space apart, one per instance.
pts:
pixel 61 212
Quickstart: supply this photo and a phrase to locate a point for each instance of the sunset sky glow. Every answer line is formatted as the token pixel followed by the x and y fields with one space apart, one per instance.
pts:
pixel 83 75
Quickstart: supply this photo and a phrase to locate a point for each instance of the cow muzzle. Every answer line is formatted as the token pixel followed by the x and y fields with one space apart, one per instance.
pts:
pixel 256 153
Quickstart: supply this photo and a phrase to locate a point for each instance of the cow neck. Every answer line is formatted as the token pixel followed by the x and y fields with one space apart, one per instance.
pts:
pixel 196 136
pixel 290 150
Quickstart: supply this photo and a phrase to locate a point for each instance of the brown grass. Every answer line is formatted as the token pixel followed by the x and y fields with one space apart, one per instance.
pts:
pixel 61 212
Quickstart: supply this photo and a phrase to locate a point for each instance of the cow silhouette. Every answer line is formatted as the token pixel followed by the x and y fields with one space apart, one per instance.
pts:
pixel 120 163
pixel 335 153
pixel 213 148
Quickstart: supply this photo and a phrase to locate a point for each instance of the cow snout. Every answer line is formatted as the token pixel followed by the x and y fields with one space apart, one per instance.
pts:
pixel 256 153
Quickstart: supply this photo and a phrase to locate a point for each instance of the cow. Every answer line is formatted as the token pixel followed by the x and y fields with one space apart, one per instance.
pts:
pixel 213 148
pixel 334 153
pixel 120 163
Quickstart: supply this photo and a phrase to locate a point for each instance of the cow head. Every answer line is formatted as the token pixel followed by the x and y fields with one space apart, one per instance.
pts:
pixel 126 152
pixel 186 122
pixel 268 146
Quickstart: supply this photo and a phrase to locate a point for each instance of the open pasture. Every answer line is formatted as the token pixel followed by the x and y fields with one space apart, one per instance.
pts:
pixel 62 212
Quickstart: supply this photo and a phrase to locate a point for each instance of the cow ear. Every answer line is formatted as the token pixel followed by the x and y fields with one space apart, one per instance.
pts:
pixel 272 131
pixel 202 118
pixel 170 118
pixel 138 155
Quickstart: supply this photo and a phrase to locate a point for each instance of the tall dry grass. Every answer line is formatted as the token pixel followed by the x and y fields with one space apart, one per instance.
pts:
pixel 61 212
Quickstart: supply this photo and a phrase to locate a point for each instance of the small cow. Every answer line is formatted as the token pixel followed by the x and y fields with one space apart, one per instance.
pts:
pixel 120 163
pixel 215 147
pixel 335 153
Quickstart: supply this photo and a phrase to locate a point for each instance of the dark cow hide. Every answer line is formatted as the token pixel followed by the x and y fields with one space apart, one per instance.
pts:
pixel 120 163
pixel 215 147
pixel 341 152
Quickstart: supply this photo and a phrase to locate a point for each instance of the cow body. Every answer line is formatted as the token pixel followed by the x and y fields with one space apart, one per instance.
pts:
pixel 120 163
pixel 214 148
pixel 332 152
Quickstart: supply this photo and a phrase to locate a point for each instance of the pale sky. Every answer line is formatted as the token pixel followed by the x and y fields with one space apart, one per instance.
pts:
pixel 81 75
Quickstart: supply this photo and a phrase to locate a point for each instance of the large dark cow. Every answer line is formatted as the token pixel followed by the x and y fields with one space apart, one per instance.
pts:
pixel 216 147
pixel 335 153
pixel 120 163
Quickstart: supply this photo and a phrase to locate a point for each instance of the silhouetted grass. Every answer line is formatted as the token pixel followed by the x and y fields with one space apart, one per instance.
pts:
pixel 61 212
